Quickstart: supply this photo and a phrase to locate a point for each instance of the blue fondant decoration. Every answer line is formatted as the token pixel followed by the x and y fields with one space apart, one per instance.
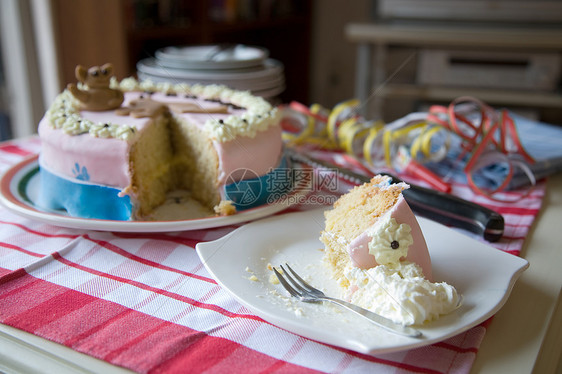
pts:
pixel 80 174
pixel 253 192
pixel 87 200
pixel 83 200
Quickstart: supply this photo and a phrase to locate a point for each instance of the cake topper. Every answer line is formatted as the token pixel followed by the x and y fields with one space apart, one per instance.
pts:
pixel 194 108
pixel 97 96
pixel 144 106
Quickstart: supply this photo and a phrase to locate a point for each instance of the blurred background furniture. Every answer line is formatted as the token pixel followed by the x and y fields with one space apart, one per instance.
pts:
pixel 439 49
pixel 134 29
pixel 43 40
pixel 506 53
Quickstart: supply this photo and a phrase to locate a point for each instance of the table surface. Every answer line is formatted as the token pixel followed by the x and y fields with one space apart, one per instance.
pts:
pixel 522 338
pixel 524 335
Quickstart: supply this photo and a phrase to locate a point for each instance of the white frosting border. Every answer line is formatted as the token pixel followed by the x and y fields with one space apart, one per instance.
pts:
pixel 64 113
pixel 259 115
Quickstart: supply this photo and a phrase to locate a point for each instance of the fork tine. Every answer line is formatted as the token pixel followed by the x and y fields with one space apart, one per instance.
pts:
pixel 302 282
pixel 285 284
pixel 305 292
pixel 296 285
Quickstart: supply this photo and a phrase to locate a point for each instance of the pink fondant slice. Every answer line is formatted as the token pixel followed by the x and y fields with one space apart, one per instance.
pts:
pixel 359 247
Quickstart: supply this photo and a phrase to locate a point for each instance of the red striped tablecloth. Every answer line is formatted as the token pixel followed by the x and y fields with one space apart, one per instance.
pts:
pixel 146 302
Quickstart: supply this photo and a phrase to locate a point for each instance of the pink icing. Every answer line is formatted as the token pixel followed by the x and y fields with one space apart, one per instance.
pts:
pixel 258 154
pixel 106 159
pixel 359 247
pixel 198 119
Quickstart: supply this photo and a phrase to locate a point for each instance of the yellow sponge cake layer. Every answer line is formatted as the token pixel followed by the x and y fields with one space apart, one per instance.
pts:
pixel 353 213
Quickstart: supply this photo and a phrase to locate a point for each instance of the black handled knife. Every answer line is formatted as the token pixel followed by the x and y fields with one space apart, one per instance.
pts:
pixel 435 205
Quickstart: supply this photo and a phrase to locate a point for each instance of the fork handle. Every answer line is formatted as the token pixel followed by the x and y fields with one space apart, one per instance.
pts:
pixel 376 318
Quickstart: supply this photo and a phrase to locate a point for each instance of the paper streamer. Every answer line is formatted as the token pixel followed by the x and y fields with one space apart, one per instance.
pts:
pixel 487 137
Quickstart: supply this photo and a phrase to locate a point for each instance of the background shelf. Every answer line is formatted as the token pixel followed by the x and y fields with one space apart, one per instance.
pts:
pixel 135 29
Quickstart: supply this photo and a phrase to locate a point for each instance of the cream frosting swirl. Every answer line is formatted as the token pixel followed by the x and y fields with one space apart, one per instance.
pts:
pixel 401 293
pixel 259 115
pixel 391 241
pixel 64 113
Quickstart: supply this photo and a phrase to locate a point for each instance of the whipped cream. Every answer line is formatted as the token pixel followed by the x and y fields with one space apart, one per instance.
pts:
pixel 400 293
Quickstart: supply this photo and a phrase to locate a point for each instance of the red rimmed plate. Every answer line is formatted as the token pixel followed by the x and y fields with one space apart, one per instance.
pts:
pixel 20 185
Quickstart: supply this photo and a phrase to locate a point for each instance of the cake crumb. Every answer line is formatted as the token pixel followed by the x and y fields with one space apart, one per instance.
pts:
pixel 253 278
pixel 273 277
pixel 225 208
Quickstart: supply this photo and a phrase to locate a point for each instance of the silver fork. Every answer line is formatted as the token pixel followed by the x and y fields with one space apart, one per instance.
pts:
pixel 303 291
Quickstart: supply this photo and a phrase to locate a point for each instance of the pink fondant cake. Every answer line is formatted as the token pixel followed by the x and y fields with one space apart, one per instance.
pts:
pixel 159 138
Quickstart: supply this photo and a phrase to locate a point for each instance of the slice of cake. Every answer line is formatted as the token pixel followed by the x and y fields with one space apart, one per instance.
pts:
pixel 116 149
pixel 376 251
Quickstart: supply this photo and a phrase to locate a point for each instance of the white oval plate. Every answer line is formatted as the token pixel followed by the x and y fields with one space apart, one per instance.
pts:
pixel 270 68
pixel 243 85
pixel 19 188
pixel 197 57
pixel 482 274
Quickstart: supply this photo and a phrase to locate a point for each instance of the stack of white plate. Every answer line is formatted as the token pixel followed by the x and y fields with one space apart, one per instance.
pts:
pixel 240 67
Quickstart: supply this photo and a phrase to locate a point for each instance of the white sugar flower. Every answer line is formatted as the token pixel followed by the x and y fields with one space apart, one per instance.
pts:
pixel 390 241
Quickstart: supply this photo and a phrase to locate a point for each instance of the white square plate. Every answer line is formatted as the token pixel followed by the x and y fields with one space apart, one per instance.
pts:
pixel 482 274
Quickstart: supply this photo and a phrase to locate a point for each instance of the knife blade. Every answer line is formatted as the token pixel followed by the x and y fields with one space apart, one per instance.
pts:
pixel 438 206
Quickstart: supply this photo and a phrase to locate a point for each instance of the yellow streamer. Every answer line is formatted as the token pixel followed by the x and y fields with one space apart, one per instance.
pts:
pixel 334 117
pixel 342 129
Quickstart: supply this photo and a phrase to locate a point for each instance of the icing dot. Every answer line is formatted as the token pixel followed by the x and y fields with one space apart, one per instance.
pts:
pixel 394 244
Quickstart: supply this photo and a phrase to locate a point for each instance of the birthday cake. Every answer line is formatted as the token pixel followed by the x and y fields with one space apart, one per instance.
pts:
pixel 375 249
pixel 116 149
